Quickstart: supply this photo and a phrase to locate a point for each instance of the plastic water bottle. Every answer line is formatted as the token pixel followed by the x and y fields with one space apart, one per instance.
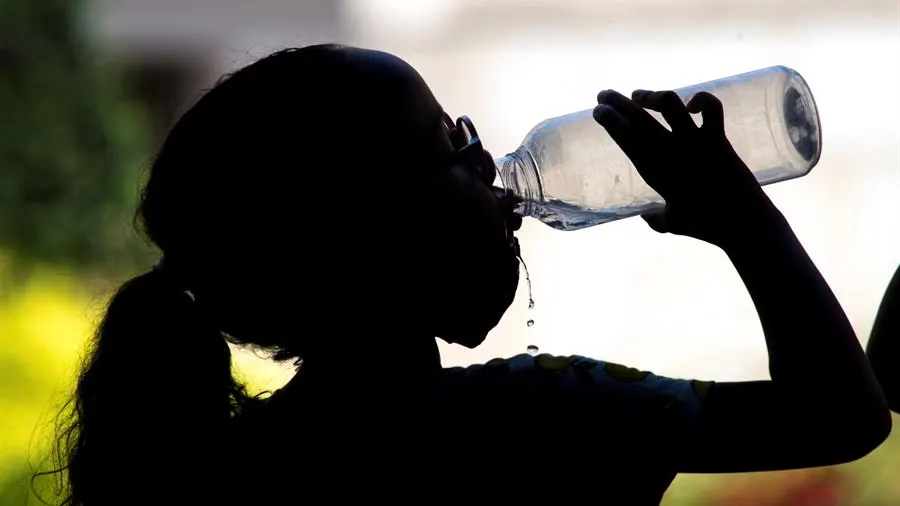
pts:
pixel 572 175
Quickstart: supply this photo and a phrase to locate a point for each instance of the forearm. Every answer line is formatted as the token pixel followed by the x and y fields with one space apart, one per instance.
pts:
pixel 883 348
pixel 813 350
pixel 823 405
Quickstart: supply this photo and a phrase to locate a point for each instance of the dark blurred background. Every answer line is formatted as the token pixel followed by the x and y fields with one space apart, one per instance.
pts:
pixel 89 88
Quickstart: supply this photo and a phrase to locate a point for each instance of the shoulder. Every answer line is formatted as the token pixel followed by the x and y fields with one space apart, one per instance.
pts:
pixel 579 380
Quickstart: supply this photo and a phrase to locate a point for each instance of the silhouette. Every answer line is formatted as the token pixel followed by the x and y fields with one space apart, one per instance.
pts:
pixel 883 347
pixel 319 205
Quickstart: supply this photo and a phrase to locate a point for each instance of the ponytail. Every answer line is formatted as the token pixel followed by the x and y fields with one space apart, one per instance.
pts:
pixel 154 402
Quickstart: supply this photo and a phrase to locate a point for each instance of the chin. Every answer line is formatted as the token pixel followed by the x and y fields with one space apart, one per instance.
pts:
pixel 479 315
pixel 472 335
pixel 470 340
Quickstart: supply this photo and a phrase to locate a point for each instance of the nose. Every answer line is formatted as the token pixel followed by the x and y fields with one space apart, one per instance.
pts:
pixel 490 168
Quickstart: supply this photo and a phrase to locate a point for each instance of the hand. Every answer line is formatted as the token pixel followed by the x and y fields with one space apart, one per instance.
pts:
pixel 710 193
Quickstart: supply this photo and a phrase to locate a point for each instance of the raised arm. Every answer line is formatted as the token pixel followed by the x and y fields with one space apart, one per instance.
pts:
pixel 823 405
pixel 883 348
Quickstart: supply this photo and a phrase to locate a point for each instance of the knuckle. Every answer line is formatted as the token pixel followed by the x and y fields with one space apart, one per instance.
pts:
pixel 670 97
pixel 710 99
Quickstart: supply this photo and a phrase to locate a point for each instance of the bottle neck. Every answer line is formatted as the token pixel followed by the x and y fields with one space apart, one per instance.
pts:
pixel 518 174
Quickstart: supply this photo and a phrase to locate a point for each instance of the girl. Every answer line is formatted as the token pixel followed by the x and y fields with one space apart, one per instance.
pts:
pixel 320 205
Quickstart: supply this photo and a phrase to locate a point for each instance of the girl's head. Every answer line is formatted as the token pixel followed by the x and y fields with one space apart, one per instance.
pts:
pixel 311 204
pixel 319 189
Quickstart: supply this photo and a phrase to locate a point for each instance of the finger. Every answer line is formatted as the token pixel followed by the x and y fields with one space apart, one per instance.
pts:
pixel 710 109
pixel 667 103
pixel 621 131
pixel 633 113
pixel 656 220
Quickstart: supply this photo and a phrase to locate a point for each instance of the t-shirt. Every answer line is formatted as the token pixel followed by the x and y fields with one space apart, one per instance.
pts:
pixel 557 430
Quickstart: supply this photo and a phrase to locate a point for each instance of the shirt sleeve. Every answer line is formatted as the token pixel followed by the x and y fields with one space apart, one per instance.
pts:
pixel 574 398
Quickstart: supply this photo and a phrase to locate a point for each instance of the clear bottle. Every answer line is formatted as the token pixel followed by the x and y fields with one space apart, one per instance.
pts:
pixel 572 175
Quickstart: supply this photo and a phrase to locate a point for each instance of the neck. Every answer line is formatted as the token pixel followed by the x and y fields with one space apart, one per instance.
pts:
pixel 395 356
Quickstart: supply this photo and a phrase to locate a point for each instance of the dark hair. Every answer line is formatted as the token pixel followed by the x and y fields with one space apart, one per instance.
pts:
pixel 156 399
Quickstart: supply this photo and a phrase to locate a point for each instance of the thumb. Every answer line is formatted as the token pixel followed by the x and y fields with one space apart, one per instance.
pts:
pixel 656 220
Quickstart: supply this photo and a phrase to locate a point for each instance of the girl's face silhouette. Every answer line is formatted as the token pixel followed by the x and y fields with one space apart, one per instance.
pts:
pixel 429 249
pixel 480 267
pixel 470 269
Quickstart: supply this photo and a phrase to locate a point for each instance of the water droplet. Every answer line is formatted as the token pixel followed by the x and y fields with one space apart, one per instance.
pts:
pixel 530 323
pixel 532 350
pixel 528 281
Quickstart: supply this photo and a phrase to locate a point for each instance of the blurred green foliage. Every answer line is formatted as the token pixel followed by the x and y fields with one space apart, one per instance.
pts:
pixel 14 489
pixel 71 144
pixel 43 325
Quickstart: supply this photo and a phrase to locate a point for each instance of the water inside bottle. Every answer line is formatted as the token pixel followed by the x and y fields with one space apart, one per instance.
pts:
pixel 564 216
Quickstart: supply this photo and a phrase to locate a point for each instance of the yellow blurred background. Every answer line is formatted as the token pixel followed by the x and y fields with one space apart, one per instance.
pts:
pixel 616 292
